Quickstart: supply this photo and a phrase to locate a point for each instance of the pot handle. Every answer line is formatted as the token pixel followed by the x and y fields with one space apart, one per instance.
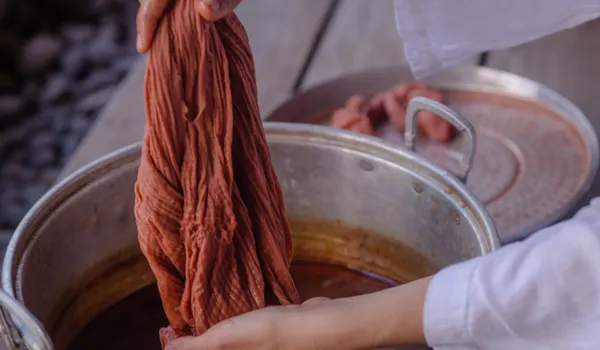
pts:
pixel 419 104
pixel 19 329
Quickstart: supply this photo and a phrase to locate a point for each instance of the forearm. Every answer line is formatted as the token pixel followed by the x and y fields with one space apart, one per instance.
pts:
pixel 547 287
pixel 542 293
pixel 395 316
pixel 390 317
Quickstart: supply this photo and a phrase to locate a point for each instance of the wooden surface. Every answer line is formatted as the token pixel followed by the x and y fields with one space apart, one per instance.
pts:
pixel 299 43
pixel 121 123
pixel 361 35
pixel 296 44
pixel 567 62
pixel 281 35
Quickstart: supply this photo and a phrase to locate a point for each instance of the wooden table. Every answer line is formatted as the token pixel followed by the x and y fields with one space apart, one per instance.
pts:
pixel 299 43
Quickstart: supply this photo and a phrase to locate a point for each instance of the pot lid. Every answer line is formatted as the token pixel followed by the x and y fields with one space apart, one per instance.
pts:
pixel 19 329
pixel 536 153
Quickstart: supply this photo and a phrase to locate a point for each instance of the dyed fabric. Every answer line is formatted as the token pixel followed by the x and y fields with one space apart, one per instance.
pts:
pixel 209 209
pixel 364 116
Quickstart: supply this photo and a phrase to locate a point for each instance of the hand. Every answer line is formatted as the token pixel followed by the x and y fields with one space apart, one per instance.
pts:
pixel 151 11
pixel 277 327
pixel 387 318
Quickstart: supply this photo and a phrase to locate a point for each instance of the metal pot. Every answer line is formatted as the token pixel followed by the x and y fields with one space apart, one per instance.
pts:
pixel 76 252
pixel 525 177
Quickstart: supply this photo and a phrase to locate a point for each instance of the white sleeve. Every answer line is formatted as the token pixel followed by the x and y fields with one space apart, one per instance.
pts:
pixel 438 34
pixel 542 293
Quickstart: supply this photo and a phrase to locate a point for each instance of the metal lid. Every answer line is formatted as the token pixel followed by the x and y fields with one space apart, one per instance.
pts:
pixel 19 329
pixel 536 153
pixel 530 163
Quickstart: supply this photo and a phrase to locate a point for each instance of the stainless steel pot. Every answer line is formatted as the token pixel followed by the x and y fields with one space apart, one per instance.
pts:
pixel 521 178
pixel 76 253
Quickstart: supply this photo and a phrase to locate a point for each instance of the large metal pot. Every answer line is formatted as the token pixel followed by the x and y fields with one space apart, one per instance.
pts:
pixel 76 253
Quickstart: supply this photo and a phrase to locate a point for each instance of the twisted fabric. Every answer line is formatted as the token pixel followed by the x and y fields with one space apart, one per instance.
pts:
pixel 210 212
pixel 365 116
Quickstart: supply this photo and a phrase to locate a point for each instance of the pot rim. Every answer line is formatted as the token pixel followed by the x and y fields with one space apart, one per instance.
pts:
pixel 70 185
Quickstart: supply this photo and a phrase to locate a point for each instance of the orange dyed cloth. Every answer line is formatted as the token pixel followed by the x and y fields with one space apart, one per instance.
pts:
pixel 364 116
pixel 209 209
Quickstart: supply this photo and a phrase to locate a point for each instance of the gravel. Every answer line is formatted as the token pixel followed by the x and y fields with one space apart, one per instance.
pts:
pixel 56 75
pixel 40 53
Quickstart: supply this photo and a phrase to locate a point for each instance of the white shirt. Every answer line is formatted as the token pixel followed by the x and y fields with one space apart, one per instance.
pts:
pixel 542 293
pixel 438 34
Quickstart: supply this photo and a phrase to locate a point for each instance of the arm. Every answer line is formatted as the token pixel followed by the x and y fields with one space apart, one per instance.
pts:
pixel 387 318
pixel 543 293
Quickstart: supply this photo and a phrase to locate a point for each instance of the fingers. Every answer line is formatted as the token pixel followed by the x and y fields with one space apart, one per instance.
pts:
pixel 213 10
pixel 234 333
pixel 148 15
pixel 151 11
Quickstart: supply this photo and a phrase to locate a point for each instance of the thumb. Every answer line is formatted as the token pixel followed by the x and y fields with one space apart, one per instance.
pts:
pixel 213 10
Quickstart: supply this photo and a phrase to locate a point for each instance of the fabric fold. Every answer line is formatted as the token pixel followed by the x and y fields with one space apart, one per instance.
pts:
pixel 209 209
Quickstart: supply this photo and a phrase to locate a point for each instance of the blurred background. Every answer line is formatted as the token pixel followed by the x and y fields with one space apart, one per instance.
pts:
pixel 60 62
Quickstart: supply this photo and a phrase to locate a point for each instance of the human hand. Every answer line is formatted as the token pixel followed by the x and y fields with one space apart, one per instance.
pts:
pixel 151 11
pixel 278 327
pixel 387 318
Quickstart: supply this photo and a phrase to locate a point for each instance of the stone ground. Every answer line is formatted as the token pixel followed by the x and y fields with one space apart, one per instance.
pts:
pixel 58 67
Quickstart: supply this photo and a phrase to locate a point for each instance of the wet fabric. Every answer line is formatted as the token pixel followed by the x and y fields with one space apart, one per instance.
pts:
pixel 210 213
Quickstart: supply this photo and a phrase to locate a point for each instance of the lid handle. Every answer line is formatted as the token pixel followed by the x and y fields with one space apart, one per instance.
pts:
pixel 19 329
pixel 419 104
